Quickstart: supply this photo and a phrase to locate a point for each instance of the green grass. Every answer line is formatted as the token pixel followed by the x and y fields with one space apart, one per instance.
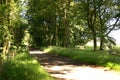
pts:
pixel 87 56
pixel 117 49
pixel 24 67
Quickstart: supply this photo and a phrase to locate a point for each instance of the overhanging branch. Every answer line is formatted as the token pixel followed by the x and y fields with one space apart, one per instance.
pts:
pixel 112 27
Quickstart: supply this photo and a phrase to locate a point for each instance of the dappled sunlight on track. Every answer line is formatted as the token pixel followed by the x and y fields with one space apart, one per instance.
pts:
pixel 69 72
pixel 63 68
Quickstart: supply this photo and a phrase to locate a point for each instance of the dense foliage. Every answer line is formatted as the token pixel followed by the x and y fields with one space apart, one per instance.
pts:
pixel 70 23
pixel 11 29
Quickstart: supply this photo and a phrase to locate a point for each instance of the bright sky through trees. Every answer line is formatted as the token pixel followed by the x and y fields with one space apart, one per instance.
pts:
pixel 116 35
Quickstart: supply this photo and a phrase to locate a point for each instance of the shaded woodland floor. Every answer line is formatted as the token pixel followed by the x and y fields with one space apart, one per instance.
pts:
pixel 62 68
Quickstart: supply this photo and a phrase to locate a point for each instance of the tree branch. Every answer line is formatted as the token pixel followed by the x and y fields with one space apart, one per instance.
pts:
pixel 112 27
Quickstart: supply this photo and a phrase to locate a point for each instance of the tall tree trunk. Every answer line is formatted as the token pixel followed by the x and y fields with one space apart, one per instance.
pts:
pixel 101 43
pixel 1 64
pixel 6 49
pixel 56 36
pixel 94 41
pixel 66 23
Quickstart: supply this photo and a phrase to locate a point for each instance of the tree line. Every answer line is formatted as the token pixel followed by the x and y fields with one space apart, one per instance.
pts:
pixel 73 22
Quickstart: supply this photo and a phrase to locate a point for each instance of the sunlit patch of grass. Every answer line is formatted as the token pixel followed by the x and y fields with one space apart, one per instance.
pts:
pixel 48 49
pixel 113 66
pixel 24 67
pixel 101 58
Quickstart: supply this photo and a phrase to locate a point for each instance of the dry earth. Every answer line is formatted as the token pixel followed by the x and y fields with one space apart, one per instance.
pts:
pixel 63 68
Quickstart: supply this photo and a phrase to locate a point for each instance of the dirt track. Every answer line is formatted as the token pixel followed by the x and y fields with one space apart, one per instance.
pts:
pixel 63 68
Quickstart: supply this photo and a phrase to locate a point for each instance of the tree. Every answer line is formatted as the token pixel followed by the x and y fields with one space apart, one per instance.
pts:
pixel 81 32
pixel 97 14
pixel 106 14
pixel 51 22
pixel 89 10
pixel 10 28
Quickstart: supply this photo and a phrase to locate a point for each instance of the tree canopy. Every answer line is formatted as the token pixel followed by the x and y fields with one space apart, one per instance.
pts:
pixel 72 22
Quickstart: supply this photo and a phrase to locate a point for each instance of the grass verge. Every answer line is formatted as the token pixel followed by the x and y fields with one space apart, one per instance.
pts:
pixel 24 67
pixel 87 56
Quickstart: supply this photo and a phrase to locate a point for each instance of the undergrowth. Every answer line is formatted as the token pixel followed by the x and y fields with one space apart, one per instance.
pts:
pixel 24 67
